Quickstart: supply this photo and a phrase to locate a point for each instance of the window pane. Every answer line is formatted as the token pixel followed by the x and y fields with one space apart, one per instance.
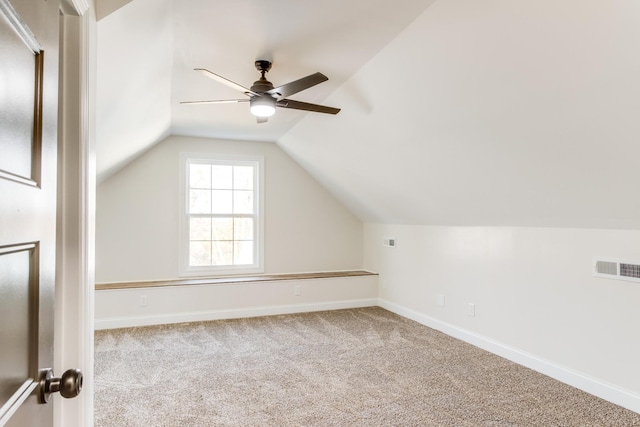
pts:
pixel 199 253
pixel 243 229
pixel 199 176
pixel 222 253
pixel 243 201
pixel 222 201
pixel 199 201
pixel 222 177
pixel 243 177
pixel 222 229
pixel 200 229
pixel 243 253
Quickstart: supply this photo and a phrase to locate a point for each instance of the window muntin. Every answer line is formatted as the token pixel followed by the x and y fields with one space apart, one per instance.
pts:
pixel 222 221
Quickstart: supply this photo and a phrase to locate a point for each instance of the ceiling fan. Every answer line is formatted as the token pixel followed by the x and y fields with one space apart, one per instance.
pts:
pixel 264 98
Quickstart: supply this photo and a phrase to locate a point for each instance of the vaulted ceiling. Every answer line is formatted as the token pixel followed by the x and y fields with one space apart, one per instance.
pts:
pixel 148 49
pixel 454 112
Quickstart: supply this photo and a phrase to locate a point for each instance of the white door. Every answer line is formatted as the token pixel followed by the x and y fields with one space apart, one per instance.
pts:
pixel 28 139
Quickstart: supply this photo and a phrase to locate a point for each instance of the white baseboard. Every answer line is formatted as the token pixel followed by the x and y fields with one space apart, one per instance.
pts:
pixel 161 319
pixel 594 386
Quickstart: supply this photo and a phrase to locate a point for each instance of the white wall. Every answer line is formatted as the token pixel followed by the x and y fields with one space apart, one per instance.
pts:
pixel 535 298
pixel 121 308
pixel 306 228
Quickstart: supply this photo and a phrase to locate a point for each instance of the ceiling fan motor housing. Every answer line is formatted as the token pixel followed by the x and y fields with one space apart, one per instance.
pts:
pixel 261 86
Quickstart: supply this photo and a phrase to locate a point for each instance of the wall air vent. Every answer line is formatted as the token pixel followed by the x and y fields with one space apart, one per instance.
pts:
pixel 630 270
pixel 389 242
pixel 616 269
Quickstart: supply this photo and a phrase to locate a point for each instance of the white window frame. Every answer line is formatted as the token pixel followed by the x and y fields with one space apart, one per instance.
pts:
pixel 258 266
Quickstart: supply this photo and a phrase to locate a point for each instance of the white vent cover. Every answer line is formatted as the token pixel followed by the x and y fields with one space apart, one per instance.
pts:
pixel 616 269
pixel 389 241
pixel 607 267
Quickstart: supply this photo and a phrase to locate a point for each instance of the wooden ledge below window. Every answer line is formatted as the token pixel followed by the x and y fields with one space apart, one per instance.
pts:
pixel 233 279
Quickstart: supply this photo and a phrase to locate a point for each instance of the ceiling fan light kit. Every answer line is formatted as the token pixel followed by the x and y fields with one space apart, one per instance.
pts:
pixel 264 98
pixel 262 106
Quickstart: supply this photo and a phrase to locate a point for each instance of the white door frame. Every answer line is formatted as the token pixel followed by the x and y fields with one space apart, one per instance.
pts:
pixel 73 343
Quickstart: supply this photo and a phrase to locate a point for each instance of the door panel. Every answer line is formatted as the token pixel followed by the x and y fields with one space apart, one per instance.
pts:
pixel 15 287
pixel 19 331
pixel 17 102
pixel 28 139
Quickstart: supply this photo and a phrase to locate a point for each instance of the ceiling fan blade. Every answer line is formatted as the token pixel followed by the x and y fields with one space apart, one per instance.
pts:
pixel 298 105
pixel 218 101
pixel 296 86
pixel 225 81
pixel 262 119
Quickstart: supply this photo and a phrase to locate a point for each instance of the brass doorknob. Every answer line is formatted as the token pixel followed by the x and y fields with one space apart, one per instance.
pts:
pixel 69 384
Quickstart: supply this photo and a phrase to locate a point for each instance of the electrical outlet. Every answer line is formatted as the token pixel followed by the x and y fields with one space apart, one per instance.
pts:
pixel 472 309
pixel 297 290
pixel 143 301
pixel 440 300
pixel 390 242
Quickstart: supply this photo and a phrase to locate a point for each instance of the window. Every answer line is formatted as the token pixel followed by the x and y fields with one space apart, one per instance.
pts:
pixel 221 227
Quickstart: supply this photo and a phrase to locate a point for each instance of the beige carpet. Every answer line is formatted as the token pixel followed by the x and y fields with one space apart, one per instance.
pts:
pixel 361 367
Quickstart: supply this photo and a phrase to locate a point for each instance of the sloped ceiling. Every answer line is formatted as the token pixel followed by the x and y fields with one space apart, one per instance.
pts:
pixel 491 112
pixel 460 112
pixel 134 63
pixel 147 50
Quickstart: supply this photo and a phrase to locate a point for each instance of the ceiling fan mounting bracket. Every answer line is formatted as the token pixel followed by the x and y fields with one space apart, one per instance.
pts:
pixel 263 65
